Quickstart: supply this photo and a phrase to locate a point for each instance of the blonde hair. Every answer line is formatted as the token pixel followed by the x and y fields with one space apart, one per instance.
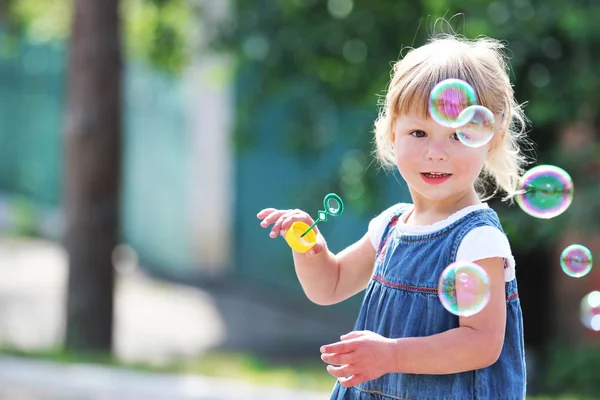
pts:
pixel 483 65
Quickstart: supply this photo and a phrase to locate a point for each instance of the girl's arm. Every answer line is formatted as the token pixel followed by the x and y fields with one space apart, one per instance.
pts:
pixel 326 278
pixel 329 279
pixel 477 343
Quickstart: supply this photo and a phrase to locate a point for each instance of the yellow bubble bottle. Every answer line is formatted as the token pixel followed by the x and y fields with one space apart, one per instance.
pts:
pixel 296 241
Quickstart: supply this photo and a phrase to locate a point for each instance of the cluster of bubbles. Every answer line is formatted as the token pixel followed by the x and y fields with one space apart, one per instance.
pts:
pixel 545 191
pixel 590 311
pixel 453 103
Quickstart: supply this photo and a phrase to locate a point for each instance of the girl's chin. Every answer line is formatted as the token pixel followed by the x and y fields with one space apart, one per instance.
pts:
pixel 433 194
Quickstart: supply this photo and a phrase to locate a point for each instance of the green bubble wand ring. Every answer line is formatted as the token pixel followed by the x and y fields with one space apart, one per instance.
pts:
pixel 333 210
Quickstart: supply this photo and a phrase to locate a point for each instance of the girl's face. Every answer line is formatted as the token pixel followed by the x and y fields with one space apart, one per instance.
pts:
pixel 434 163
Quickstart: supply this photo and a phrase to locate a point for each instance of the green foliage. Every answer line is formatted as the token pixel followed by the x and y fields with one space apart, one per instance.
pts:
pixel 573 371
pixel 326 64
pixel 157 31
pixel 42 21
pixel 335 55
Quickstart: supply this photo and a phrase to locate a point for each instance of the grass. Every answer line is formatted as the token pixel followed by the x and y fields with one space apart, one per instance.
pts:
pixel 307 374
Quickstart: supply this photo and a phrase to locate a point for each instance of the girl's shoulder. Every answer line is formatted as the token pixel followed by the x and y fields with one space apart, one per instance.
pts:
pixel 378 224
pixel 484 238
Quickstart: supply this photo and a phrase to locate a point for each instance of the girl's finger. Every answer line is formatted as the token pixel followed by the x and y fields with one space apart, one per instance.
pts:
pixel 264 212
pixel 272 217
pixel 341 372
pixel 338 359
pixel 352 381
pixel 352 334
pixel 277 225
pixel 293 217
pixel 341 347
pixel 316 249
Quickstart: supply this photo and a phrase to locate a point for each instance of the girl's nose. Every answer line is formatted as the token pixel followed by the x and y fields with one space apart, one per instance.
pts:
pixel 436 152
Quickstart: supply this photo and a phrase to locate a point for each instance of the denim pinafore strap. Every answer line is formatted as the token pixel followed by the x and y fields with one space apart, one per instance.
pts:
pixel 401 301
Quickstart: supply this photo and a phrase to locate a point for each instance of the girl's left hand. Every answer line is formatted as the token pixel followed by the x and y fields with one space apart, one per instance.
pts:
pixel 361 356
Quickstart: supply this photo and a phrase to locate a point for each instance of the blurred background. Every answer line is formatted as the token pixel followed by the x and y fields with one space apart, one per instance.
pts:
pixel 139 139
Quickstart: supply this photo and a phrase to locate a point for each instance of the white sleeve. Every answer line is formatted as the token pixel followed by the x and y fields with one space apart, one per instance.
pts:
pixel 487 242
pixel 379 223
pixel 377 226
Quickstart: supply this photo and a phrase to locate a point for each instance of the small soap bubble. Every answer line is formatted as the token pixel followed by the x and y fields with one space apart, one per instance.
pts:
pixel 333 205
pixel 590 311
pixel 545 191
pixel 479 129
pixel 447 101
pixel 464 288
pixel 576 260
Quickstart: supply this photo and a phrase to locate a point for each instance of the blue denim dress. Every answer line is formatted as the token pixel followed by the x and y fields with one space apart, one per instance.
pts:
pixel 401 301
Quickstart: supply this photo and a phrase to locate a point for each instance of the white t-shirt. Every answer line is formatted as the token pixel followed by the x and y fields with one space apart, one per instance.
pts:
pixel 481 242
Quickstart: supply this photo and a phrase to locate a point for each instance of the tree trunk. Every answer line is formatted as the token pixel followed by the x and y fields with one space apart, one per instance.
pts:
pixel 92 171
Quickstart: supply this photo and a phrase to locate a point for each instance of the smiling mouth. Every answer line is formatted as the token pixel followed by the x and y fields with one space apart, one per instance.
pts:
pixel 435 174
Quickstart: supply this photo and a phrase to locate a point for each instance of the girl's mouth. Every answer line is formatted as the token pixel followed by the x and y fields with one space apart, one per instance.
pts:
pixel 435 177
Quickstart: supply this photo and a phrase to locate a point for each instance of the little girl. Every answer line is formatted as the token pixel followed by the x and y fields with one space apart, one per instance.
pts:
pixel 405 344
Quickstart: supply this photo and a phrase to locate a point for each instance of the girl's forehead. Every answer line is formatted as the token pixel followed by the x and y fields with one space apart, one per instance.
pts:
pixel 416 121
pixel 414 116
pixel 410 117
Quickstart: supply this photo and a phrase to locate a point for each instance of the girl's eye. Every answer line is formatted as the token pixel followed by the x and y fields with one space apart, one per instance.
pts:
pixel 455 136
pixel 418 134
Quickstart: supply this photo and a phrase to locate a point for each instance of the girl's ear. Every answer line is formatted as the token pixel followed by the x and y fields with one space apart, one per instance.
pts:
pixel 497 143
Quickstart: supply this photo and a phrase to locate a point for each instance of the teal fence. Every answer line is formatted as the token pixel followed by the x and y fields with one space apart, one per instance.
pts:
pixel 31 107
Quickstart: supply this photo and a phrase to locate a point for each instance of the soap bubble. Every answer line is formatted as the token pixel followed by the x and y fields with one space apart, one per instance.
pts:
pixel 464 288
pixel 546 191
pixel 576 260
pixel 447 101
pixel 479 129
pixel 333 205
pixel 590 311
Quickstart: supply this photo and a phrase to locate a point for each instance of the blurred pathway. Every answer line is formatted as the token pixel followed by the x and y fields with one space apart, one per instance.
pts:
pixel 40 380
pixel 156 322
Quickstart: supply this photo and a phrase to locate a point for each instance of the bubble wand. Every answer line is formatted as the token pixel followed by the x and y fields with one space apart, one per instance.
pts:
pixel 302 237
pixel 333 211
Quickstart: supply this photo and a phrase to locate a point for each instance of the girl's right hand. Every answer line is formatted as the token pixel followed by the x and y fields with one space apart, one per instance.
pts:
pixel 283 219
